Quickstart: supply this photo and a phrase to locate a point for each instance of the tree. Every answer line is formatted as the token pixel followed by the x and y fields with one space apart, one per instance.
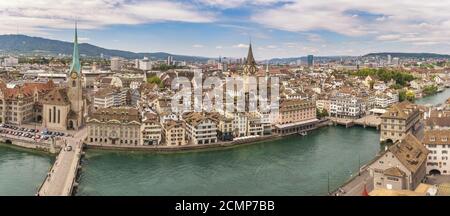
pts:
pixel 430 89
pixel 321 114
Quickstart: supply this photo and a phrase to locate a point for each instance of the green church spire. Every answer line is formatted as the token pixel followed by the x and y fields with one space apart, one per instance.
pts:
pixel 76 66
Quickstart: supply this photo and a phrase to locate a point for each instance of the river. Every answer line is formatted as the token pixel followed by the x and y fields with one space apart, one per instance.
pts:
pixel 22 171
pixel 291 166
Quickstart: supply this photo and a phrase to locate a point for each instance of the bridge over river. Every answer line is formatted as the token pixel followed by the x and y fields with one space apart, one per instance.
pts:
pixel 61 179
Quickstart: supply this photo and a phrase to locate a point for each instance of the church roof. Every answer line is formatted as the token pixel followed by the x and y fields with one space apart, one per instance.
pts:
pixel 57 96
pixel 76 66
pixel 250 58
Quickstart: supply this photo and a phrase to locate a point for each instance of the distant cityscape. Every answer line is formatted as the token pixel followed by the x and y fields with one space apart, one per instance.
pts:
pixel 65 103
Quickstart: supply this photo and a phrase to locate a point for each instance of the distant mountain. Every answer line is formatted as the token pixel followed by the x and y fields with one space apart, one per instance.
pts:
pixel 408 55
pixel 304 59
pixel 35 45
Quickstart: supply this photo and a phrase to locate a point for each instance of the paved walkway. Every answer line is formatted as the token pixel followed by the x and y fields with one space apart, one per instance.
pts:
pixel 62 176
pixel 355 186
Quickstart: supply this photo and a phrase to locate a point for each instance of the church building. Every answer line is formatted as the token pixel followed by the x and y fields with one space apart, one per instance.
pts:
pixel 64 107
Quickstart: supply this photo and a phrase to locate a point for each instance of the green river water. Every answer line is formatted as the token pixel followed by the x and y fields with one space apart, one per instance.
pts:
pixel 291 166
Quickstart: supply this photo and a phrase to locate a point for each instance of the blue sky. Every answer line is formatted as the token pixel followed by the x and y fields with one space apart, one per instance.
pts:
pixel 277 28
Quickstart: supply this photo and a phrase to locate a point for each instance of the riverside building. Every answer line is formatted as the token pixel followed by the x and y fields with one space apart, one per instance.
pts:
pixel 399 120
pixel 114 126
pixel 296 116
pixel 438 143
pixel 401 167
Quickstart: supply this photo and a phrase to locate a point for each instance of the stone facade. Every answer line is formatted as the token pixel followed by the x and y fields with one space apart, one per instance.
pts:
pixel 399 120
pixel 438 143
pixel 401 167
pixel 114 126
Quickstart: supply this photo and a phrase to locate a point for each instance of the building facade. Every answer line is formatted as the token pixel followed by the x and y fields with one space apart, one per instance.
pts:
pixel 401 167
pixel 399 120
pixel 296 116
pixel 64 108
pixel 438 143
pixel 114 126
pixel 174 133
pixel 345 105
pixel 200 129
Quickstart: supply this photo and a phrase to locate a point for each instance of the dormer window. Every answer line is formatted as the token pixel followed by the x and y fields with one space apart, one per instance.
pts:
pixel 444 139
pixel 432 139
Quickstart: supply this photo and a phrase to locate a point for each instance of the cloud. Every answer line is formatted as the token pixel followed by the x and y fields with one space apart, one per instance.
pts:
pixel 198 46
pixel 219 47
pixel 238 3
pixel 241 46
pixel 385 20
pixel 35 16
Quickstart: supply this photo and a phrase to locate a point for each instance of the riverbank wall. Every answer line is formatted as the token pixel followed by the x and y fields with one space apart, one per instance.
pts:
pixel 21 143
pixel 186 148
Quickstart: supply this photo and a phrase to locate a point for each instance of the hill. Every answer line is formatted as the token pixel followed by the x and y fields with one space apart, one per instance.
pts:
pixel 23 44
pixel 408 55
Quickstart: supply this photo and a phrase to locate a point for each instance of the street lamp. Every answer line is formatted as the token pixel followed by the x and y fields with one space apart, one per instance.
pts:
pixel 328 180
pixel 359 164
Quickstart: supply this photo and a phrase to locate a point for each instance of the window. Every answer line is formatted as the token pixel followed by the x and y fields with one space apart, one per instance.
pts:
pixel 392 179
pixel 59 115
pixel 54 114
pixel 74 84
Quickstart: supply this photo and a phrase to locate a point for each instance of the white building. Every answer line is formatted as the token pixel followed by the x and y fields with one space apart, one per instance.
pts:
pixel 438 143
pixel 151 130
pixel 345 105
pixel 116 63
pixel 240 124
pixel 200 129
pixel 110 97
pixel 10 61
pixel 145 64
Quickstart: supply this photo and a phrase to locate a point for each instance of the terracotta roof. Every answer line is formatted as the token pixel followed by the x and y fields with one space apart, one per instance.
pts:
pixel 436 137
pixel 169 124
pixel 436 121
pixel 26 90
pixel 56 96
pixel 104 92
pixel 410 152
pixel 122 114
pixel 403 110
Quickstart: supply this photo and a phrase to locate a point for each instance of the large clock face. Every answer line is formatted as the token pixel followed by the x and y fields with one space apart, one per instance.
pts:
pixel 74 75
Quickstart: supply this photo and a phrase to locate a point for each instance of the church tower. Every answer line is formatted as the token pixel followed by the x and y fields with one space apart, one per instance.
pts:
pixel 250 65
pixel 75 89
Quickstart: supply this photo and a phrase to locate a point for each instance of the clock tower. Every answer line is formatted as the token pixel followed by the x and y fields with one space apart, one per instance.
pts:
pixel 75 89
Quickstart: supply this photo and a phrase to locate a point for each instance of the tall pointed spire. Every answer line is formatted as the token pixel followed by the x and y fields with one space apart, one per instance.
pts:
pixel 250 64
pixel 76 66
pixel 250 58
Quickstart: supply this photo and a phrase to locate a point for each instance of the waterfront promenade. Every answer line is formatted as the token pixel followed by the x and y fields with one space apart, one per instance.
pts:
pixel 61 178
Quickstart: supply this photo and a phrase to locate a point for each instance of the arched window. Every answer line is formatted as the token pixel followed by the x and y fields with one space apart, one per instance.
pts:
pixel 74 84
pixel 54 114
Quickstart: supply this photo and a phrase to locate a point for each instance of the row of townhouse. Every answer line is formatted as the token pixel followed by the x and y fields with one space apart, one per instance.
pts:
pixel 110 97
pixel 346 105
pixel 195 128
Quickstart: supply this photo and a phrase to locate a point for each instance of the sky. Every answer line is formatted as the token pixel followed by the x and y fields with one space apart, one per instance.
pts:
pixel 213 28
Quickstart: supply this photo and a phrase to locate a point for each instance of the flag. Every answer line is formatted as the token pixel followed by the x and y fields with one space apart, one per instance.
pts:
pixel 365 193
